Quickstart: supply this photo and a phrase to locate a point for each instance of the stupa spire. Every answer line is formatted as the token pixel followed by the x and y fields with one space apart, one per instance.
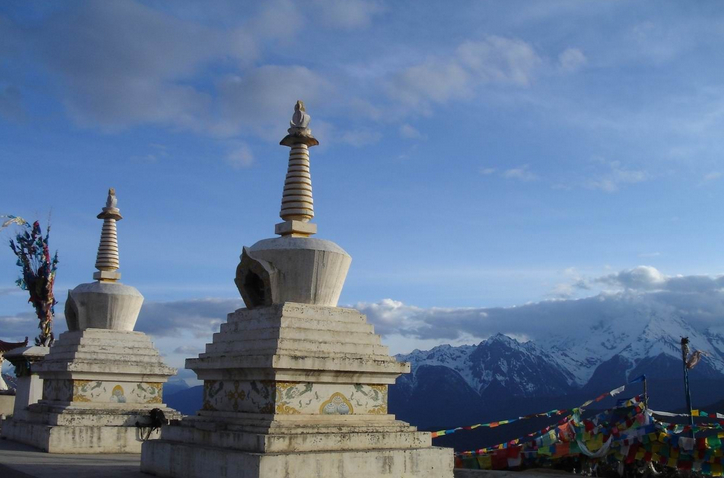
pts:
pixel 297 203
pixel 107 261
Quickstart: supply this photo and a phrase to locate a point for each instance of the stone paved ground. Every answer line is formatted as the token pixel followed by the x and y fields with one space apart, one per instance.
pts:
pixel 542 473
pixel 22 461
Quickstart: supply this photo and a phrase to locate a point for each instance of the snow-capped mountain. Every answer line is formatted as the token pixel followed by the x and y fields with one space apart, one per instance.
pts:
pixel 602 356
pixel 497 364
pixel 640 337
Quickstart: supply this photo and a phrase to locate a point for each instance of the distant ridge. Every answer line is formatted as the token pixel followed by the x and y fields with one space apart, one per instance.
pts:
pixel 502 377
pixel 592 358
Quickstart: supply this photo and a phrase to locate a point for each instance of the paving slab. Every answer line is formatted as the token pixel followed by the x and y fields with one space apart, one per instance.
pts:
pixel 22 461
pixel 533 473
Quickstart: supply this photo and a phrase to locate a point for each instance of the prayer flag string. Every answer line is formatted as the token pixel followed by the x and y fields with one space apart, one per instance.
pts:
pixel 549 413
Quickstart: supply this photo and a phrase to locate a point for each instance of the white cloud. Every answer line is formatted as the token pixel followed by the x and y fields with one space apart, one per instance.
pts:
pixel 562 291
pixel 14 328
pixel 158 152
pixel 636 295
pixel 118 64
pixel 487 171
pixel 521 173
pixel 278 19
pixel 614 175
pixel 122 63
pixel 348 15
pixel 432 81
pixel 183 326
pixel 712 176
pixel 571 59
pixel 495 60
pixel 360 138
pixel 199 317
pixel 501 60
pixel 240 157
pixel 408 132
pixel 262 99
pixel 188 349
pixel 638 278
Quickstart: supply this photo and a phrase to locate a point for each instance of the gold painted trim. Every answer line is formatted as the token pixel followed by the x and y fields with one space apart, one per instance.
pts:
pixel 285 409
pixel 342 398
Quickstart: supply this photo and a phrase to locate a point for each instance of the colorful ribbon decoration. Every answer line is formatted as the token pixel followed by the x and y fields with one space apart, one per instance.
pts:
pixel 589 427
pixel 12 220
pixel 498 423
pixel 550 413
pixel 626 434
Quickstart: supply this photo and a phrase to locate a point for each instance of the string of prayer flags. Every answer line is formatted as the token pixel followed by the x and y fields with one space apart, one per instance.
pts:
pixel 555 435
pixel 609 434
pixel 549 413
pixel 12 220
pixel 498 423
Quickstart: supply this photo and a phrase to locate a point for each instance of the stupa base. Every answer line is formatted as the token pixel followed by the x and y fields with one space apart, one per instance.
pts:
pixel 97 385
pixel 181 460
pixel 77 439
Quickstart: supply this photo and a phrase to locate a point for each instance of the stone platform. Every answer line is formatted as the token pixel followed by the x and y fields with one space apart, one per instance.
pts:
pixel 22 461
pixel 97 385
pixel 182 460
pixel 7 404
pixel 295 390
pixel 77 439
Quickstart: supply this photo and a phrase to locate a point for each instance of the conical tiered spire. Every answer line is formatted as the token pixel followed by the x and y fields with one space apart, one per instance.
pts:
pixel 297 203
pixel 107 261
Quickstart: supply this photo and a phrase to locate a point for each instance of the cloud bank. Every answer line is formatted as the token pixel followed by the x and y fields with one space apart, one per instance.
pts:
pixel 636 293
pixel 232 71
pixel 625 300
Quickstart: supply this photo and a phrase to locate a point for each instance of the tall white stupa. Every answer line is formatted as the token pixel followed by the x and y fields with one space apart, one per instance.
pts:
pixel 101 380
pixel 295 386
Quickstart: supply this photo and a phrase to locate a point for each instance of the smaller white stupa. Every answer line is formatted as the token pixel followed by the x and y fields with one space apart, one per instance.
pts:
pixel 101 380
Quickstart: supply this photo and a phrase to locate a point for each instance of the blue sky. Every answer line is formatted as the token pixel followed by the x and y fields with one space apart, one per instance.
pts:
pixel 473 154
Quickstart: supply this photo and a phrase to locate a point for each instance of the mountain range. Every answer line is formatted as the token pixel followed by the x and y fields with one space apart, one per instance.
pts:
pixel 503 377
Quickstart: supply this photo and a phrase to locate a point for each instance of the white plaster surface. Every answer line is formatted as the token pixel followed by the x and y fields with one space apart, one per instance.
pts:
pixel 295 390
pixel 29 391
pixel 30 388
pixel 76 439
pixel 103 354
pixel 298 343
pixel 97 384
pixel 295 269
pixel 103 305
pixel 7 405
pixel 186 461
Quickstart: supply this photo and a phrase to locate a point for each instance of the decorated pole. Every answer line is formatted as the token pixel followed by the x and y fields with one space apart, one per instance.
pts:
pixel 685 356
pixel 38 273
pixel 646 393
